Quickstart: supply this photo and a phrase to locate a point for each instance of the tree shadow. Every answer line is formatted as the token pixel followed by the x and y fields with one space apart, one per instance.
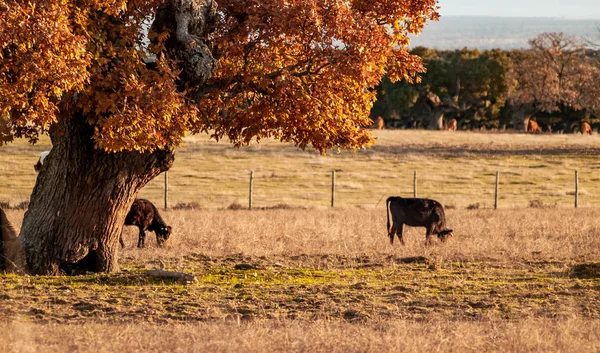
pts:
pixel 588 270
pixel 473 150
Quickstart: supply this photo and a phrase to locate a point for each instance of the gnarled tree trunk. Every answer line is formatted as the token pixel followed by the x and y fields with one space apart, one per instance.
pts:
pixel 82 194
pixel 436 122
pixel 11 251
pixel 79 203
pixel 520 120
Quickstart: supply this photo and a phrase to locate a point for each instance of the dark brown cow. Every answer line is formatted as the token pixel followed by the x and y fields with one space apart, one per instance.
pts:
pixel 380 123
pixel 144 215
pixel 416 212
pixel 452 125
pixel 532 126
pixel 585 128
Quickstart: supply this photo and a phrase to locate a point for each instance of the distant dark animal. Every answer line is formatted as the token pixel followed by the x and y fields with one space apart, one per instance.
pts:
pixel 40 162
pixel 411 124
pixel 532 126
pixel 585 128
pixel 144 215
pixel 452 125
pixel 416 212
pixel 380 123
pixel 559 127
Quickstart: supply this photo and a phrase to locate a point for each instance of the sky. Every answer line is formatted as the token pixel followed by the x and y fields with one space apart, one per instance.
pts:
pixel 571 9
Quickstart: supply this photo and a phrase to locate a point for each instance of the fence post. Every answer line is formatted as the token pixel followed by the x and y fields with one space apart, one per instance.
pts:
pixel 166 189
pixel 576 189
pixel 332 188
pixel 415 184
pixel 250 191
pixel 496 192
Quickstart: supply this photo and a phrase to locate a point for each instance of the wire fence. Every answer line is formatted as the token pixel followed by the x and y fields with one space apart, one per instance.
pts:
pixel 272 193
pixel 459 170
pixel 320 187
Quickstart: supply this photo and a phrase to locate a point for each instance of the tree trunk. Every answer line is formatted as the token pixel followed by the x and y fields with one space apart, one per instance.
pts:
pixel 11 251
pixel 437 120
pixel 80 200
pixel 520 120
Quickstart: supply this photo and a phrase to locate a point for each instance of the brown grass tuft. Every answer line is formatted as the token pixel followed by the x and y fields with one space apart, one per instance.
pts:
pixel 570 335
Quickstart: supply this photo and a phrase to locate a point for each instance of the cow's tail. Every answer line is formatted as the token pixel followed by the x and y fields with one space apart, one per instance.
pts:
pixel 387 213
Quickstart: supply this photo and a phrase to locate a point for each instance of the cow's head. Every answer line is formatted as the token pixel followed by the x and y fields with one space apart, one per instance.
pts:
pixel 163 234
pixel 445 234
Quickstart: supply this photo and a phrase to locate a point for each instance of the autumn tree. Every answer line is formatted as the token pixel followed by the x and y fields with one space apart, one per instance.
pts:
pixel 554 76
pixel 117 83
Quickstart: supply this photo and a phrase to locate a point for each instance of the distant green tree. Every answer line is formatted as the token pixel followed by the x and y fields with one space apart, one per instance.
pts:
pixel 395 101
pixel 468 85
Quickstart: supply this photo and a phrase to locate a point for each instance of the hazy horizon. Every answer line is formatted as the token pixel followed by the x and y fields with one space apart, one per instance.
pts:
pixel 573 9
pixel 503 32
pixel 525 17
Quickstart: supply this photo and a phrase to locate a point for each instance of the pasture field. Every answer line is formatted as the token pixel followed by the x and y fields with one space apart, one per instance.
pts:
pixel 457 168
pixel 304 277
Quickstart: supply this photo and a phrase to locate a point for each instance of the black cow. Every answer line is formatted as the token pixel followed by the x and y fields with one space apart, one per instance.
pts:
pixel 417 213
pixel 144 215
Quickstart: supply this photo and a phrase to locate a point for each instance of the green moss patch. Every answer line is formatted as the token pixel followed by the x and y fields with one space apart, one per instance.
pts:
pixel 301 287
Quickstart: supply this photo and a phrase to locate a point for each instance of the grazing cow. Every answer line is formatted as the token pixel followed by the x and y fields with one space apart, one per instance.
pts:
pixel 40 162
pixel 380 123
pixel 144 215
pixel 532 126
pixel 416 213
pixel 452 125
pixel 585 128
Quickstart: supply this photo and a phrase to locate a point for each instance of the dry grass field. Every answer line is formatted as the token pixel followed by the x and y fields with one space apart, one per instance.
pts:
pixel 316 279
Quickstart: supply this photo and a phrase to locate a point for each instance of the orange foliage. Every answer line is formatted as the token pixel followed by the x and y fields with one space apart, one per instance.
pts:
pixel 297 70
pixel 556 74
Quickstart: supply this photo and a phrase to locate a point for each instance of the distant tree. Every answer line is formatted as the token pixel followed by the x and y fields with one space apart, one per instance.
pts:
pixel 395 100
pixel 554 76
pixel 299 71
pixel 467 85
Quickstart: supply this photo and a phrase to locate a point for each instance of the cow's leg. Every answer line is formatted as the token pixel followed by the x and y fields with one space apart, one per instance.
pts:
pixel 141 238
pixel 428 235
pixel 392 232
pixel 399 233
pixel 121 239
